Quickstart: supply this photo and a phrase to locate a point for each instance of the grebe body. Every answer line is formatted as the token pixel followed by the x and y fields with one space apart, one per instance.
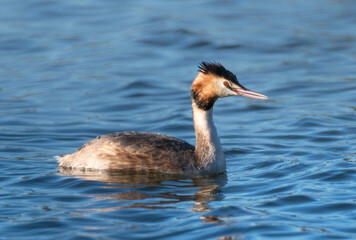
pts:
pixel 153 152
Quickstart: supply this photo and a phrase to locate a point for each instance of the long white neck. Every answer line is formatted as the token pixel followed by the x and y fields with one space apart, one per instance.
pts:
pixel 208 151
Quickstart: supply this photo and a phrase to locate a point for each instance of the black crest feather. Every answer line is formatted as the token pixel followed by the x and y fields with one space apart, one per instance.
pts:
pixel 218 70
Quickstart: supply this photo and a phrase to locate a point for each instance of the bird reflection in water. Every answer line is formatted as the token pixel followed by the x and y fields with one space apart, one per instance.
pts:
pixel 167 189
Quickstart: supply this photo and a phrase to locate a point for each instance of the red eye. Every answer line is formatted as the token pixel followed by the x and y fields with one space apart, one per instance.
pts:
pixel 226 83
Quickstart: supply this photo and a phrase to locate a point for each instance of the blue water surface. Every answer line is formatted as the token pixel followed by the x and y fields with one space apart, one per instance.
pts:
pixel 73 70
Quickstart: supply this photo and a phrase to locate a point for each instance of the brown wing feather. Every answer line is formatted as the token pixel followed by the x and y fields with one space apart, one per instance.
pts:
pixel 134 151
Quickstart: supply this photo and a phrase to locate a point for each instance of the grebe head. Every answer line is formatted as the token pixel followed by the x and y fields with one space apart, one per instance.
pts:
pixel 215 81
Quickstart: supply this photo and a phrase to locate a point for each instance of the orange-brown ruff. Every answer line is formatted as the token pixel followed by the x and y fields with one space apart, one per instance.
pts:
pixel 161 153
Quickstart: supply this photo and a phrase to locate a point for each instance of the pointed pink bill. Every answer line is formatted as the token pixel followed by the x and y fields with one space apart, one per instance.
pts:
pixel 249 93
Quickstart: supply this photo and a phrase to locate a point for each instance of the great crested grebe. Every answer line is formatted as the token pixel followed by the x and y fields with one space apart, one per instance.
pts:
pixel 154 152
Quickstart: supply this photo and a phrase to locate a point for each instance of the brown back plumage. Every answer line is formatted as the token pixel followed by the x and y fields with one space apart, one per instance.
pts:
pixel 133 151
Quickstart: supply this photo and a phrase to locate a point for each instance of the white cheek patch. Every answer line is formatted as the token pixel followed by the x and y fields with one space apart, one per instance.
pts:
pixel 223 90
pixel 226 92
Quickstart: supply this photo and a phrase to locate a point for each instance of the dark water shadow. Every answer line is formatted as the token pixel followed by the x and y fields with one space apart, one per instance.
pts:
pixel 154 191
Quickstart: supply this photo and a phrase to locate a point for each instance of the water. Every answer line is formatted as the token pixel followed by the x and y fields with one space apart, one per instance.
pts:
pixel 72 70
